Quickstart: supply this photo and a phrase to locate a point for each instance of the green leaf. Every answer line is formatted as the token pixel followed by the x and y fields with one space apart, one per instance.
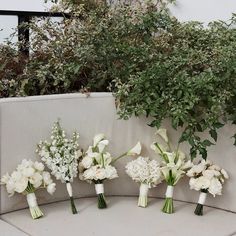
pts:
pixel 213 134
pixel 207 143
pixel 203 152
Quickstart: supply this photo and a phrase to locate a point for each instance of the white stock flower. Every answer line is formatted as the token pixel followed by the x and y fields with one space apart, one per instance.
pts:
pixel 136 150
pixel 163 134
pixel 51 188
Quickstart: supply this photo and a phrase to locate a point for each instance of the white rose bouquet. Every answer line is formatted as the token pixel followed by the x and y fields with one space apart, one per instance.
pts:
pixel 146 172
pixel 207 178
pixel 96 165
pixel 26 179
pixel 61 156
pixel 174 166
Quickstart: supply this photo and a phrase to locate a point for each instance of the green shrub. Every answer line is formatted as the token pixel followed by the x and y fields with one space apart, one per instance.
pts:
pixel 192 81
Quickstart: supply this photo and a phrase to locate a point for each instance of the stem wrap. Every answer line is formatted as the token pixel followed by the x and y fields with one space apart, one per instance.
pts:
pixel 169 191
pixel 202 198
pixel 99 188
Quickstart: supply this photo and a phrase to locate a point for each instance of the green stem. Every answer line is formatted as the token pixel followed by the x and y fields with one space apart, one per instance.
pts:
pixel 116 159
pixel 73 207
pixel 101 201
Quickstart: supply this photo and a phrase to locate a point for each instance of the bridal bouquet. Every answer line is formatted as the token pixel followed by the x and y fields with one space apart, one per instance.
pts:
pixel 207 178
pixel 26 179
pixel 146 172
pixel 61 156
pixel 174 167
pixel 96 165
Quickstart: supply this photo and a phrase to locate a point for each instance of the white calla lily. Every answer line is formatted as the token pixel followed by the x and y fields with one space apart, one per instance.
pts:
pixel 163 134
pixel 97 138
pixel 136 150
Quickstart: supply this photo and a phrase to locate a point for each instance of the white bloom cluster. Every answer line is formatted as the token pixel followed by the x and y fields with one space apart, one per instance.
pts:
pixel 144 170
pixel 96 163
pixel 61 154
pixel 207 176
pixel 28 177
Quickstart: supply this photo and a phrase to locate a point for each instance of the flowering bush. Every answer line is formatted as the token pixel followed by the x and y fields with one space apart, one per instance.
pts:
pixel 61 156
pixel 96 165
pixel 207 178
pixel 26 179
pixel 147 172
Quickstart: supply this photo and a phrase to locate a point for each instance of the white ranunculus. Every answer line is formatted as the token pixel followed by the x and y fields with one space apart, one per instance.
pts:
pixel 215 187
pixel 224 173
pixel 100 174
pixel 187 165
pixel 51 188
pixel 97 138
pixel 214 167
pixel 202 183
pixel 87 162
pixel 136 150
pixel 163 133
pixel 208 174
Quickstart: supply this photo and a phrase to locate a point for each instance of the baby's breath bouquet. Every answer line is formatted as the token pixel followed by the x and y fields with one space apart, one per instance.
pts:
pixel 206 177
pixel 146 172
pixel 61 156
pixel 26 179
pixel 174 167
pixel 96 166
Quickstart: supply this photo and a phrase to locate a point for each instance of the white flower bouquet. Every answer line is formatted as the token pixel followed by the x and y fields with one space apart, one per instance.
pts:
pixel 96 166
pixel 26 179
pixel 174 166
pixel 146 172
pixel 61 156
pixel 207 178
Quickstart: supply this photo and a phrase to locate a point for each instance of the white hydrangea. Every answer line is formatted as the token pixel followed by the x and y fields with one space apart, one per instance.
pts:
pixel 27 177
pixel 144 170
pixel 207 176
pixel 61 155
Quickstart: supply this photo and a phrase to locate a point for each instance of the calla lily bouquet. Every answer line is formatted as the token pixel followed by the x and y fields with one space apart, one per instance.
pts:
pixel 96 166
pixel 174 167
pixel 207 178
pixel 26 179
pixel 61 156
pixel 146 172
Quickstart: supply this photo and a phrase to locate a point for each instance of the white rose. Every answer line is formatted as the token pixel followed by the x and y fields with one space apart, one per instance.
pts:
pixel 51 188
pixel 136 150
pixel 100 174
pixel 87 162
pixel 16 176
pixel 208 173
pixel 215 187
pixel 21 185
pixel 46 178
pixel 36 180
pixel 39 166
pixel 202 183
pixel 28 172
pixel 111 172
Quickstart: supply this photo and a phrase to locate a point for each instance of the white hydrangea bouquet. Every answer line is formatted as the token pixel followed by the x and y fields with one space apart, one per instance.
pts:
pixel 61 156
pixel 96 166
pixel 174 167
pixel 146 172
pixel 26 179
pixel 207 178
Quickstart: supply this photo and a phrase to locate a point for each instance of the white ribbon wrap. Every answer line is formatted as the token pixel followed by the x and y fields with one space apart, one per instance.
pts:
pixel 202 198
pixel 99 188
pixel 32 200
pixel 69 189
pixel 169 191
pixel 143 190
